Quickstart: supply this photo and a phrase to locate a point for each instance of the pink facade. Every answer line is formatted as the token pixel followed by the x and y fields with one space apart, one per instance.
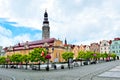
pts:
pixel 95 47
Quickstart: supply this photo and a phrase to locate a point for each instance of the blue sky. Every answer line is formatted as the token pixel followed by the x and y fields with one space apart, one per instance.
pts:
pixel 79 21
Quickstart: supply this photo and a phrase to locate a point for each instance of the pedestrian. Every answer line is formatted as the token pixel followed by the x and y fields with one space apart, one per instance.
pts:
pixel 55 67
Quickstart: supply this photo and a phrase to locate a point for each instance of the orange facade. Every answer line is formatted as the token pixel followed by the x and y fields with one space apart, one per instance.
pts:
pixel 55 48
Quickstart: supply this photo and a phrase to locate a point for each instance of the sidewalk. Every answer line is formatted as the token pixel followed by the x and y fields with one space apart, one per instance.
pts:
pixel 112 74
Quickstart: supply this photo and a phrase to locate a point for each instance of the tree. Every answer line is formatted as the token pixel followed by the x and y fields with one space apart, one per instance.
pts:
pixel 95 56
pixel 26 59
pixel 16 58
pixel 113 55
pixel 2 60
pixel 38 55
pixel 81 55
pixel 7 61
pixel 104 55
pixel 88 55
pixel 67 55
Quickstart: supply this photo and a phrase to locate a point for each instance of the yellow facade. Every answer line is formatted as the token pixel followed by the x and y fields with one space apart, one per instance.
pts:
pixel 81 48
pixel 55 50
pixel 75 50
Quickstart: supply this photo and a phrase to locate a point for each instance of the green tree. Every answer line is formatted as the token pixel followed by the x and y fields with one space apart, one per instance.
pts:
pixel 113 55
pixel 16 58
pixel 2 60
pixel 26 59
pixel 95 56
pixel 88 55
pixel 38 55
pixel 67 55
pixel 81 55
pixel 104 55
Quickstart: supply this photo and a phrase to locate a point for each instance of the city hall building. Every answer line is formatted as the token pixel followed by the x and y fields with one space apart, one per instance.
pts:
pixel 55 47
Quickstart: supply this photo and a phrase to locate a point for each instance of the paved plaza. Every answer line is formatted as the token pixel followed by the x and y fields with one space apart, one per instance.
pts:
pixel 101 71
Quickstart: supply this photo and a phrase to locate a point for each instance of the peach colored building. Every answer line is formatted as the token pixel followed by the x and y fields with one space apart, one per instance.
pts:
pixel 95 47
pixel 55 48
pixel 82 47
pixel 75 50
pixel 86 48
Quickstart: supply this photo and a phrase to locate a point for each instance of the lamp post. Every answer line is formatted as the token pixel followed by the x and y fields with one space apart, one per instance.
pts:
pixel 47 56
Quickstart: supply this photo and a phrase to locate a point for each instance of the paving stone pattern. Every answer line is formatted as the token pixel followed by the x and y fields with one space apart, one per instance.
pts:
pixel 88 72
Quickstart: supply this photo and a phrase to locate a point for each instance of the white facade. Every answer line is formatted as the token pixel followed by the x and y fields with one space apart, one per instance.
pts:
pixel 104 46
pixel 87 48
pixel 2 52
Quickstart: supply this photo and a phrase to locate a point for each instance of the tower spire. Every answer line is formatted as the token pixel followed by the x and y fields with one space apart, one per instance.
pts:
pixel 45 28
pixel 65 41
pixel 45 18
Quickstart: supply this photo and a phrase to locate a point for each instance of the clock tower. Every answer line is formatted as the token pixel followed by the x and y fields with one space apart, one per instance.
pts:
pixel 45 27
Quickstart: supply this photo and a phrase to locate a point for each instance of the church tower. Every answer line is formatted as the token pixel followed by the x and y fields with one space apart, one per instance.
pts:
pixel 45 28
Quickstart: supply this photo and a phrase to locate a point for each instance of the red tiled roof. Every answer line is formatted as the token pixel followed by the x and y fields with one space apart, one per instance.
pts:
pixel 51 40
pixel 110 41
pixel 116 39
pixel 33 44
pixel 18 48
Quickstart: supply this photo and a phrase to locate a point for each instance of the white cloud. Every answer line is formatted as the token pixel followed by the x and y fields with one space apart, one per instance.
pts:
pixel 10 41
pixel 21 38
pixel 91 24
pixel 84 22
pixel 5 32
pixel 7 39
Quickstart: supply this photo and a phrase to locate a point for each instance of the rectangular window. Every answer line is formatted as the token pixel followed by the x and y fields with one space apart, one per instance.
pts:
pixel 105 48
pixel 112 47
pixel 113 51
pixel 116 51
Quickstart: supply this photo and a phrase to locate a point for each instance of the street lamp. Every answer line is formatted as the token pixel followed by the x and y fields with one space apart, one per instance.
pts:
pixel 47 56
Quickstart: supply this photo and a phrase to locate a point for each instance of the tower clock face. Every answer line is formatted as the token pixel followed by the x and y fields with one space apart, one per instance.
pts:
pixel 46 30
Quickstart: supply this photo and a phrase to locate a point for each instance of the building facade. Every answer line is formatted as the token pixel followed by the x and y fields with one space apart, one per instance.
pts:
pixel 115 46
pixel 55 48
pixel 87 47
pixel 81 47
pixel 75 50
pixel 2 52
pixel 95 47
pixel 105 46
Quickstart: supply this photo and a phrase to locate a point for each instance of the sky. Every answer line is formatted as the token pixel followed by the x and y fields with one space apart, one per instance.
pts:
pixel 79 21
